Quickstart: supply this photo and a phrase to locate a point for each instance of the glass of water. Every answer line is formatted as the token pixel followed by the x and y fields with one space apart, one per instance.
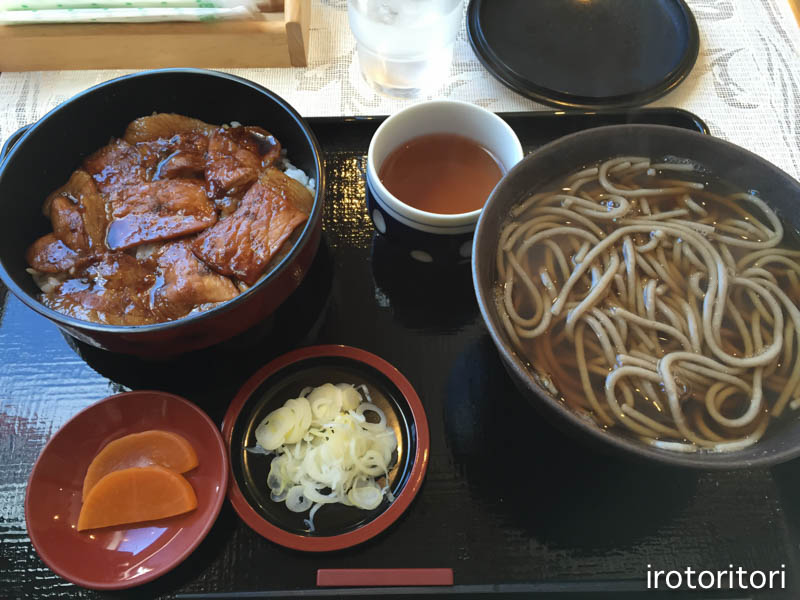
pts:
pixel 405 46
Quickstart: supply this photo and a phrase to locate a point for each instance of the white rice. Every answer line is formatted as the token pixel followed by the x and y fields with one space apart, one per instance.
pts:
pixel 297 174
pixel 145 251
pixel 47 282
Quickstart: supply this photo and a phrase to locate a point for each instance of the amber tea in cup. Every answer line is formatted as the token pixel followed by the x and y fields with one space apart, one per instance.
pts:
pixel 430 169
pixel 442 173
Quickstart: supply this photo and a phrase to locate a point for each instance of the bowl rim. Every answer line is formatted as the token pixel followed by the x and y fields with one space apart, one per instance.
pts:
pixel 424 217
pixel 179 558
pixel 313 218
pixel 403 500
pixel 704 461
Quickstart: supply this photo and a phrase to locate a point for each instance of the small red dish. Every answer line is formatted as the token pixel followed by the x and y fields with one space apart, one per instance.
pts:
pixel 336 526
pixel 120 557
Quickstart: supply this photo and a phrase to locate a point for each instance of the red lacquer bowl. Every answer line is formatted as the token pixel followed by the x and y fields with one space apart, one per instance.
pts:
pixel 336 526
pixel 128 555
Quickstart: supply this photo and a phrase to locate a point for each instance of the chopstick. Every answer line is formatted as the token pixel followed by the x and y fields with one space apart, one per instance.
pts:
pixel 383 577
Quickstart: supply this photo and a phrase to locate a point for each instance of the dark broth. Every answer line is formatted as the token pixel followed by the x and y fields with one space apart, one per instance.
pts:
pixel 441 173
pixel 551 356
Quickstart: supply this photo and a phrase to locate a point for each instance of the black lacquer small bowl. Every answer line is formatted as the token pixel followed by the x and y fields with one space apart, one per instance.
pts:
pixel 737 166
pixel 335 526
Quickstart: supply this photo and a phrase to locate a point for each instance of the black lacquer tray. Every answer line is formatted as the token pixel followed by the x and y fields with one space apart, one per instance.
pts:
pixel 514 507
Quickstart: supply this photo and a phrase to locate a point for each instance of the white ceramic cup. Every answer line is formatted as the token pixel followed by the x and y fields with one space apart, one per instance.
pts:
pixel 404 223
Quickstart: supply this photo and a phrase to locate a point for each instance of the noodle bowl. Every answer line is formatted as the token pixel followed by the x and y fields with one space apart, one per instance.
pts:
pixel 655 303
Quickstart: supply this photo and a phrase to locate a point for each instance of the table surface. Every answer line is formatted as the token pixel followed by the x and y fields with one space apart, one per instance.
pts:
pixel 746 85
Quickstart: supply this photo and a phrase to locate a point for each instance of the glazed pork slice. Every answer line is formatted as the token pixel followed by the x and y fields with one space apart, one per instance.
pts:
pixel 182 155
pixel 236 156
pixel 187 282
pixel 163 126
pixel 182 164
pixel 295 192
pixel 114 290
pixel 78 213
pixel 115 167
pixel 172 146
pixel 49 254
pixel 158 210
pixel 68 224
pixel 242 244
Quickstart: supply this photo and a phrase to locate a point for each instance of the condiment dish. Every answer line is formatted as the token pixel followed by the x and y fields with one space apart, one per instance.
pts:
pixel 335 526
pixel 122 556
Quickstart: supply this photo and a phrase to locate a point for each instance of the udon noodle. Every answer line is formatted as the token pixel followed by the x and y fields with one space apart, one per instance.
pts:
pixel 647 301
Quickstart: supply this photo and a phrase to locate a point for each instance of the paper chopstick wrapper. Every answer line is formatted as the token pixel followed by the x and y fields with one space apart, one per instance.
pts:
pixel 14 12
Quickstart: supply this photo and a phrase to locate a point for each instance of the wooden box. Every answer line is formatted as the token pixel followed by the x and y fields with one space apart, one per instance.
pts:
pixel 280 40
